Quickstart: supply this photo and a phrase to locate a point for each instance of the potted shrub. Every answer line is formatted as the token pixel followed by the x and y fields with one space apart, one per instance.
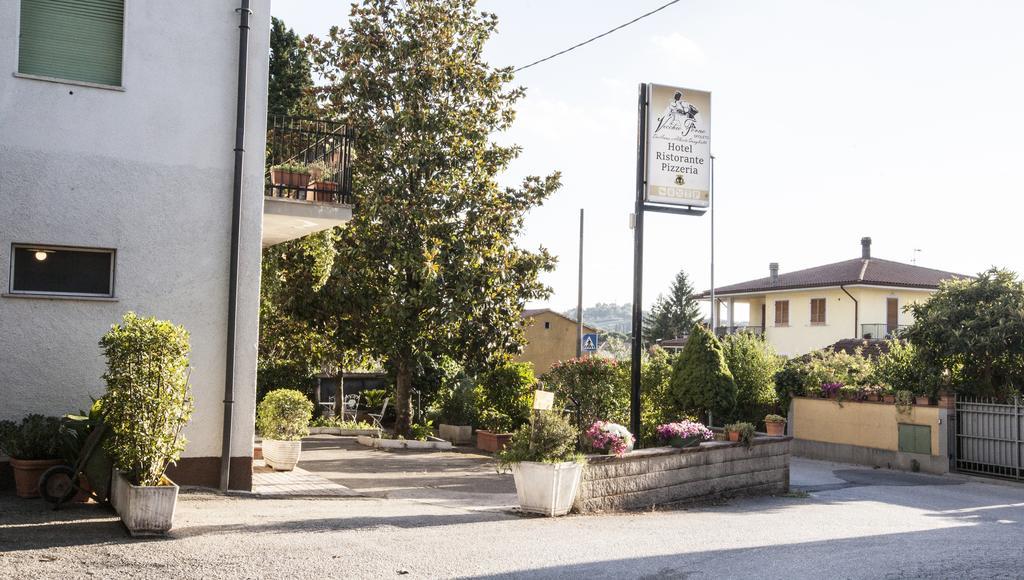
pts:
pixel 290 175
pixel 158 391
pixel 34 445
pixel 612 438
pixel 496 431
pixel 922 400
pixel 683 434
pixel 545 464
pixel 282 419
pixel 775 425
pixel 741 432
pixel 456 412
pixel 322 184
pixel 504 396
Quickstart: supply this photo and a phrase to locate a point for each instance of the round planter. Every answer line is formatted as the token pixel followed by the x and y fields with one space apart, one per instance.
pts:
pixel 734 436
pixel 775 428
pixel 547 488
pixel 27 473
pixel 683 442
pixel 146 510
pixel 281 455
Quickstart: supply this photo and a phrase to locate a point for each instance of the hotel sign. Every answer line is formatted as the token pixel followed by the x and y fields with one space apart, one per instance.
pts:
pixel 678 146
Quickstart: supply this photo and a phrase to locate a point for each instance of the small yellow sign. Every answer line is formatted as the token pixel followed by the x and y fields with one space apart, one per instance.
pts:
pixel 543 400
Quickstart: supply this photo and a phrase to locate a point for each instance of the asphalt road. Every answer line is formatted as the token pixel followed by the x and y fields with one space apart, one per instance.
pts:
pixel 852 523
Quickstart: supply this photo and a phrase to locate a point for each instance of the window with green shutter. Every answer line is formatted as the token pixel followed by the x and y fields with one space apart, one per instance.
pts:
pixel 78 40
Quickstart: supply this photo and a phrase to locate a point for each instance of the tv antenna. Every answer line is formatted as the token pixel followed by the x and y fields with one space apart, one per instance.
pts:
pixel 916 252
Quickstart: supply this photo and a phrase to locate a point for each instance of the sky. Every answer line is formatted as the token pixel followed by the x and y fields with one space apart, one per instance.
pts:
pixel 831 121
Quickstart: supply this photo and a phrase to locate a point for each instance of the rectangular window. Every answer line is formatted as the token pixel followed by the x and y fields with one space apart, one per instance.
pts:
pixel 817 311
pixel 782 313
pixel 61 270
pixel 77 40
pixel 915 438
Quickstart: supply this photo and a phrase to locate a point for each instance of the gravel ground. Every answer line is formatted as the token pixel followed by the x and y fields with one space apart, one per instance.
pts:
pixel 852 523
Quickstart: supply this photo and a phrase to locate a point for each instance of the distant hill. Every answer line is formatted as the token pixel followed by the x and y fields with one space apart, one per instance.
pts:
pixel 609 317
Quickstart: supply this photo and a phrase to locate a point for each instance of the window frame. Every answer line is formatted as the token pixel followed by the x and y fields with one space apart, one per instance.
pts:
pixel 57 248
pixel 824 312
pixel 776 304
pixel 48 79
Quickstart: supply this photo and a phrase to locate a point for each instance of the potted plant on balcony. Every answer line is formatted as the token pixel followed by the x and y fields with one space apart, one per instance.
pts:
pixel 322 184
pixel 456 412
pixel 683 434
pixel 545 464
pixel 282 419
pixel 290 175
pixel 33 446
pixel 775 425
pixel 158 393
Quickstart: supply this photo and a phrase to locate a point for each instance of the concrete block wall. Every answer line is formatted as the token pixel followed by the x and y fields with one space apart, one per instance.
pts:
pixel 665 475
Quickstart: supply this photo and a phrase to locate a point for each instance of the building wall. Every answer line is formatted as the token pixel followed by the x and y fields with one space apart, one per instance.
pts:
pixel 146 170
pixel 546 346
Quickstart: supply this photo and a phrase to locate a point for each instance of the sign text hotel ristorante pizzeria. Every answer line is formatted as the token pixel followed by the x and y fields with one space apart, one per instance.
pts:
pixel 678 146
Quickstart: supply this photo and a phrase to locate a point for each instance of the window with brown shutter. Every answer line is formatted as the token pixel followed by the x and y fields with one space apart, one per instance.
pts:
pixel 782 313
pixel 817 311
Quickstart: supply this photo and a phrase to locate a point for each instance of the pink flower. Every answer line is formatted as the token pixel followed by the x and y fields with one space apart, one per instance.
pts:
pixel 610 437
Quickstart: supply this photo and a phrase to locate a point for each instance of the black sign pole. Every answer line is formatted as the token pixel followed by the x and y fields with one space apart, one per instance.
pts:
pixel 638 267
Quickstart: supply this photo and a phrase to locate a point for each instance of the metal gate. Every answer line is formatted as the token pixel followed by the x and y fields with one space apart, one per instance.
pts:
pixel 988 437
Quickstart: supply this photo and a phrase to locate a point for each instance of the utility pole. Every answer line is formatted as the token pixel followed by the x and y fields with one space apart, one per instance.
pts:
pixel 579 297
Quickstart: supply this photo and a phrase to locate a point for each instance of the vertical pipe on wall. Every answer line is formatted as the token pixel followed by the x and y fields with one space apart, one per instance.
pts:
pixel 236 219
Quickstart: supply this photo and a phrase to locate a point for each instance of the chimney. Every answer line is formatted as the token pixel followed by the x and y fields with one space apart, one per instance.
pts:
pixel 773 273
pixel 865 248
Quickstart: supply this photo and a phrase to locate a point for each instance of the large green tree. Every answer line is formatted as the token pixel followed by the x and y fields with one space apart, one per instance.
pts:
pixel 701 380
pixel 428 264
pixel 291 82
pixel 675 314
pixel 970 334
pixel 753 364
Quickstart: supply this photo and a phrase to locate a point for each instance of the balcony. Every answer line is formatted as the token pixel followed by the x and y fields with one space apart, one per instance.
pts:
pixel 724 330
pixel 881 330
pixel 308 184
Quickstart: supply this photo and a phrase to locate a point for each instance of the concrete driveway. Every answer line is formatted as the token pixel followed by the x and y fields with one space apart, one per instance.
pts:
pixel 850 522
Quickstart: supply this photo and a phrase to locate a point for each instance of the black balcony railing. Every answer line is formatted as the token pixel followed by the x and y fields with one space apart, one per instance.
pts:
pixel 320 149
pixel 881 330
pixel 724 330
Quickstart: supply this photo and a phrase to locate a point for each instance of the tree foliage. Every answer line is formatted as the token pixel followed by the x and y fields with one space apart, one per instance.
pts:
pixel 674 315
pixel 504 396
pixel 591 389
pixel 901 369
pixel 291 82
pixel 970 333
pixel 753 364
pixel 428 263
pixel 701 380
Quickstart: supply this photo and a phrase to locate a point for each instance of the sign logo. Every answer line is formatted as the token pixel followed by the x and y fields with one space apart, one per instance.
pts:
pixel 590 342
pixel 678 168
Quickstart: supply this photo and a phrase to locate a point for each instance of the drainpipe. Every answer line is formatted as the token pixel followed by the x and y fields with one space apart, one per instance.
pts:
pixel 856 312
pixel 236 219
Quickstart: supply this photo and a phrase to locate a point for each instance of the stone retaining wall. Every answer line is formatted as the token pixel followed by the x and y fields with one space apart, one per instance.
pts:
pixel 665 475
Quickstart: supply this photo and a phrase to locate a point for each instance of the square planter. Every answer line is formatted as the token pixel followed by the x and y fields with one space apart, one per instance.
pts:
pixel 281 455
pixel 547 488
pixel 457 434
pixel 323 191
pixel 145 510
pixel 27 473
pixel 922 401
pixel 288 179
pixel 492 442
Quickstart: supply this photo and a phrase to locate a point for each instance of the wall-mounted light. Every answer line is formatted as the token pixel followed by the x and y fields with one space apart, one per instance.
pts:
pixel 41 255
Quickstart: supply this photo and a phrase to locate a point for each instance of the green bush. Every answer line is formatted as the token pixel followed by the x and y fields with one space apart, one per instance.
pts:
pixel 549 438
pixel 789 382
pixel 591 389
pixel 456 402
pixel 505 395
pixel 701 380
pixel 421 431
pixel 148 402
pixel 753 364
pixel 901 369
pixel 655 395
pixel 826 366
pixel 373 399
pixel 284 415
pixel 36 437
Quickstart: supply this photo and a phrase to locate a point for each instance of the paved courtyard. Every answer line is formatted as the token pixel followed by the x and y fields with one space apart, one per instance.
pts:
pixel 414 520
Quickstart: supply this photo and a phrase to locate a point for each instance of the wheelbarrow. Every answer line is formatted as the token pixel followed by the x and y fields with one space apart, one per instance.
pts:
pixel 90 471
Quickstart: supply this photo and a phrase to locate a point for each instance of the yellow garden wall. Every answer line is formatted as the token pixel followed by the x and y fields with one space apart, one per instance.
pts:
pixel 873 425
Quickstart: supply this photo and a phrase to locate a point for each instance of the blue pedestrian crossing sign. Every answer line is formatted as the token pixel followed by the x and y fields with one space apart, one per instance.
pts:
pixel 589 342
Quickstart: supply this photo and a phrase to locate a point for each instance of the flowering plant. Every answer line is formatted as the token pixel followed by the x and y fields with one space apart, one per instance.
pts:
pixel 610 437
pixel 830 390
pixel 684 433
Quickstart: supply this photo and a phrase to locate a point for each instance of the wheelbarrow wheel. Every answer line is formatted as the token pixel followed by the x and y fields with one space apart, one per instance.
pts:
pixel 57 485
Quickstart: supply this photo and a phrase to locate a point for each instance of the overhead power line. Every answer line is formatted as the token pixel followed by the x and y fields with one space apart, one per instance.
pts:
pixel 603 34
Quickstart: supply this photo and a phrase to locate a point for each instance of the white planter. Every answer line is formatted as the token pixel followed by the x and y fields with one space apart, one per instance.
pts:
pixel 281 455
pixel 547 488
pixel 145 510
pixel 380 443
pixel 457 434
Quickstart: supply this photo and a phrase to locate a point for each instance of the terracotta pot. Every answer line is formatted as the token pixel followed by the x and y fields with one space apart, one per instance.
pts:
pixel 288 179
pixel 27 473
pixel 324 191
pixel 775 428
pixel 922 401
pixel 873 398
pixel 492 442
pixel 734 436
pixel 889 399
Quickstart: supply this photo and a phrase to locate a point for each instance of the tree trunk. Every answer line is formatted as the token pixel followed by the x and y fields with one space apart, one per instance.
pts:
pixel 403 400
pixel 339 395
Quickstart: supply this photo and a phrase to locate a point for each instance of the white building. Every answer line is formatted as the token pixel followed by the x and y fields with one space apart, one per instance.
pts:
pixel 117 181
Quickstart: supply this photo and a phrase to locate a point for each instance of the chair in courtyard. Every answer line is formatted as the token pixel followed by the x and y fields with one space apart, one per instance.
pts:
pixel 378 418
pixel 350 409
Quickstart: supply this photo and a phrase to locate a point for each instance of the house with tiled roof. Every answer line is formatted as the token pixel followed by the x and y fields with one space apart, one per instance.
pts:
pixel 550 337
pixel 809 309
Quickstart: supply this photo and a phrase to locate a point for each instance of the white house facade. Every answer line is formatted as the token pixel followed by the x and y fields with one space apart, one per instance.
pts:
pixel 117 178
